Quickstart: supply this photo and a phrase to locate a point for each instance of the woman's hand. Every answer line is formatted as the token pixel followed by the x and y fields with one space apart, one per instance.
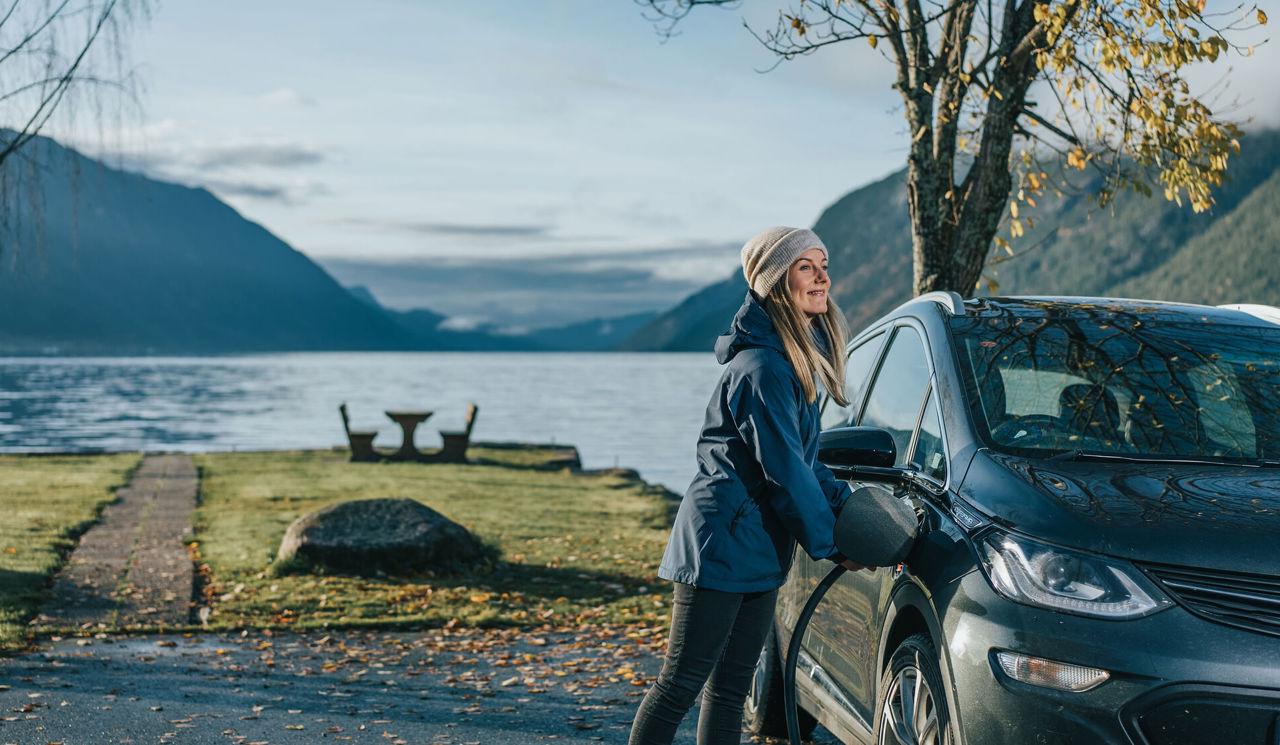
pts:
pixel 851 566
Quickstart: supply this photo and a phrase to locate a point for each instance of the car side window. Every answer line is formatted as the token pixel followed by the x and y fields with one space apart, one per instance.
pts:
pixel 856 370
pixel 899 390
pixel 929 456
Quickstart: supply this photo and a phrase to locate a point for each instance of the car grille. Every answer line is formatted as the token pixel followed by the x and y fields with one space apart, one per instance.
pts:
pixel 1197 721
pixel 1247 601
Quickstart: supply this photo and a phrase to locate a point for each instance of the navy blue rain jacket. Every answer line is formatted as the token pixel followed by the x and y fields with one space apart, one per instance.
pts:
pixel 759 486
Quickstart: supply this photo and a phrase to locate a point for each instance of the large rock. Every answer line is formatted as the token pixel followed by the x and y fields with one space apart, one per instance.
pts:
pixel 378 535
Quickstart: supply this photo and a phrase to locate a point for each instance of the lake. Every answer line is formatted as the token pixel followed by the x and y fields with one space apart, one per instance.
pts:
pixel 642 411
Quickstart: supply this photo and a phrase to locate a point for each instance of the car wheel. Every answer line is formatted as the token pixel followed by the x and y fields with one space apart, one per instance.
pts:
pixel 764 712
pixel 912 708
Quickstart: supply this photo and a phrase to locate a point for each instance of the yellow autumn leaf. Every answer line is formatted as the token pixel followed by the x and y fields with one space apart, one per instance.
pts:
pixel 873 40
pixel 1262 17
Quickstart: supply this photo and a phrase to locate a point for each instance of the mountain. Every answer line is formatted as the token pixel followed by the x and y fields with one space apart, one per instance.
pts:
pixel 1120 251
pixel 693 324
pixel 1241 248
pixel 1140 247
pixel 595 335
pixel 96 260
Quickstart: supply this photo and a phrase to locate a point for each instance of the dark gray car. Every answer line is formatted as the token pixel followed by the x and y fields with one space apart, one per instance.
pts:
pixel 1099 484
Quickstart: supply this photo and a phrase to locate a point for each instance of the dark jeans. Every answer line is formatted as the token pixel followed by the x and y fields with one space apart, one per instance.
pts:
pixel 716 639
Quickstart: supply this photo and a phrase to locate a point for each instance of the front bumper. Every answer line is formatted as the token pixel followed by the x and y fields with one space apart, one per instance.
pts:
pixel 1176 678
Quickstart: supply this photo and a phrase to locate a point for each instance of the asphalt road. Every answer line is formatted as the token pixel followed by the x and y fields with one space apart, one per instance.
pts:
pixel 491 687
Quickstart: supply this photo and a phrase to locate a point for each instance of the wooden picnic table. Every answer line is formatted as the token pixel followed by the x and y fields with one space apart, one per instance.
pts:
pixel 408 421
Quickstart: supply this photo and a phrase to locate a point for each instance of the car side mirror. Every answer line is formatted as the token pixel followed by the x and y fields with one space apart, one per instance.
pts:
pixel 866 452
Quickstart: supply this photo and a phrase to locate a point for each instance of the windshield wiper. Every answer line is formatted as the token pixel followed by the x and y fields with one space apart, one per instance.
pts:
pixel 1089 455
pixel 1073 455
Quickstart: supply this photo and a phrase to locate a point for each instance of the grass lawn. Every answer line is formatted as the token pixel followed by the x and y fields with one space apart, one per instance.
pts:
pixel 576 547
pixel 46 503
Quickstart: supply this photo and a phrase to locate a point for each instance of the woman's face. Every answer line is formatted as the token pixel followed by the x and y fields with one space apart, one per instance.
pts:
pixel 807 281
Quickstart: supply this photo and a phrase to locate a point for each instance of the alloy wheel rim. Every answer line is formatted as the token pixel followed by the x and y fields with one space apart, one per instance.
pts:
pixel 910 711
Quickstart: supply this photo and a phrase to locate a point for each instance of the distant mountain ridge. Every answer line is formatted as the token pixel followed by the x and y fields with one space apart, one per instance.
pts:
pixel 1147 248
pixel 95 260
pixel 103 261
pixel 592 335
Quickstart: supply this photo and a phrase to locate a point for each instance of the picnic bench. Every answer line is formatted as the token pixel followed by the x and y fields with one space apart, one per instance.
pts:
pixel 454 442
pixel 360 441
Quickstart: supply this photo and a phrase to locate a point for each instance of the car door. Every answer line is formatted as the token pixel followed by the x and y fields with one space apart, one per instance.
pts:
pixel 846 627
pixel 805 572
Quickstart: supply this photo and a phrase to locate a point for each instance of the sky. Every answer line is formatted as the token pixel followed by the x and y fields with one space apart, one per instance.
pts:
pixel 523 164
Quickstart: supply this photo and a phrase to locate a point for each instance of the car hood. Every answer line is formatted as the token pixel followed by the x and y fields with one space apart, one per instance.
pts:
pixel 1213 516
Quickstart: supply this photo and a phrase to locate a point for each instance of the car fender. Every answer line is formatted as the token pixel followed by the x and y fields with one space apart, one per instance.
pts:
pixel 910 595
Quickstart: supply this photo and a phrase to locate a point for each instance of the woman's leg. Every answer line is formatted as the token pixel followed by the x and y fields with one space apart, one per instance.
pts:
pixel 701 621
pixel 720 722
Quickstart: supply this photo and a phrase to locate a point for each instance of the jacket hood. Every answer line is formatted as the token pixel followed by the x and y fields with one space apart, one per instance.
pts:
pixel 751 328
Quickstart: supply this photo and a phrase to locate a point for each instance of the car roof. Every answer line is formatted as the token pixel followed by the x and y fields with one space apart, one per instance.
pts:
pixel 1065 306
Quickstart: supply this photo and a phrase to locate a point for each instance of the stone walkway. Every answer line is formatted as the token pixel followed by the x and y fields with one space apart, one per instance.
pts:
pixel 133 566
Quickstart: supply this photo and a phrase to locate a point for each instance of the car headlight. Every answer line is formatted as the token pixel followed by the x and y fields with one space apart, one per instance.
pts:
pixel 1029 572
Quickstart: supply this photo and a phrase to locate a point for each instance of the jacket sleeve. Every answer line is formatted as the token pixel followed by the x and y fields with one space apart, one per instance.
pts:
pixel 766 412
pixel 837 491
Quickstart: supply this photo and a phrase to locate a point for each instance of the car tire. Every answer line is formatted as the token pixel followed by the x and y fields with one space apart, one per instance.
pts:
pixel 913 677
pixel 764 712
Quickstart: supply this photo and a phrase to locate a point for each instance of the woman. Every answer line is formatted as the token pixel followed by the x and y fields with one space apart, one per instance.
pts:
pixel 759 488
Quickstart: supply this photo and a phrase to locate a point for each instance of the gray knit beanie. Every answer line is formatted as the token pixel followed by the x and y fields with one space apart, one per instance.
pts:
pixel 768 255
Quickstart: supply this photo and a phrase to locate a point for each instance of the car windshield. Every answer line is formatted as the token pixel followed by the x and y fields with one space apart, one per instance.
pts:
pixel 1122 384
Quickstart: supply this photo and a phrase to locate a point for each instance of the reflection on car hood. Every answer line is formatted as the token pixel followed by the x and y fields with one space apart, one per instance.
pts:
pixel 1213 516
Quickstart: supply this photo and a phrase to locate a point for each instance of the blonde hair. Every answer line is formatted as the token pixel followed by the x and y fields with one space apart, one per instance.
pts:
pixel 809 362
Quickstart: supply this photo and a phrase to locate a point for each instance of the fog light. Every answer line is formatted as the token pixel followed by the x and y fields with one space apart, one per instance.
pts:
pixel 1058 675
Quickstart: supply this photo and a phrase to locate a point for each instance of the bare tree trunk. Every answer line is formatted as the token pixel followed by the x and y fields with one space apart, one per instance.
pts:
pixel 953 226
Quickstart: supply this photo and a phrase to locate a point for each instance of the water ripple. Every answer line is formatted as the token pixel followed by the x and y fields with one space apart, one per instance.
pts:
pixel 637 410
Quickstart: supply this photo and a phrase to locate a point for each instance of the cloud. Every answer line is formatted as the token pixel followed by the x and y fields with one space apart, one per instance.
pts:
pixel 460 323
pixel 476 230
pixel 286 98
pixel 259 170
pixel 263 155
pixel 165 154
pixel 292 193
pixel 229 188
